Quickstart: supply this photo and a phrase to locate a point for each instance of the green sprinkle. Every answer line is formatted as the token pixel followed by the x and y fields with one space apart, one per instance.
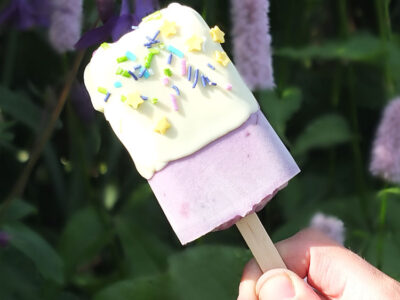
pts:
pixel 126 74
pixel 119 71
pixel 105 46
pixel 154 100
pixel 154 50
pixel 168 72
pixel 154 16
pixel 102 90
pixel 148 60
pixel 161 45
pixel 123 98
pixel 122 59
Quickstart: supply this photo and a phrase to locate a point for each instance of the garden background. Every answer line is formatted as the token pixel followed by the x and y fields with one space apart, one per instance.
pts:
pixel 86 225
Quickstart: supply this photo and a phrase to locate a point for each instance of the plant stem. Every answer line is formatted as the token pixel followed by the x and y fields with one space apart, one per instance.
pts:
pixel 381 228
pixel 20 185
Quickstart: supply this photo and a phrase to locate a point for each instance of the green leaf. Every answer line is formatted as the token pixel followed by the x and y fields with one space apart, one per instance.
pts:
pixel 18 210
pixel 323 132
pixel 280 110
pixel 136 242
pixel 208 272
pixel 146 288
pixel 361 47
pixel 20 107
pixel 38 250
pixel 82 238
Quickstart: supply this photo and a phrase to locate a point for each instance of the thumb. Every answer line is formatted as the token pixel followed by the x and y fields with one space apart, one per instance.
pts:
pixel 281 284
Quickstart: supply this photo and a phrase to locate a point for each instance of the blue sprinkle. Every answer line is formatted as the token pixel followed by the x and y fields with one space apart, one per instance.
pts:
pixel 156 35
pixel 175 51
pixel 144 73
pixel 169 59
pixel 190 73
pixel 107 97
pixel 130 55
pixel 177 90
pixel 196 78
pixel 213 83
pixel 117 84
pixel 206 79
pixel 203 80
pixel 144 97
pixel 211 66
pixel 133 75
pixel 137 67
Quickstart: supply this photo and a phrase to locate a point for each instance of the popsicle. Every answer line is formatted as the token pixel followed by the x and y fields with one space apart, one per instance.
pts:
pixel 191 125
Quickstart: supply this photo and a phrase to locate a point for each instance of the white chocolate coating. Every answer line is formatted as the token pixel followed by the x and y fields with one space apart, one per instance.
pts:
pixel 204 114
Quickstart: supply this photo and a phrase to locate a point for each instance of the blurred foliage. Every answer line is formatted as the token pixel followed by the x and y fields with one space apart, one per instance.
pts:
pixel 87 225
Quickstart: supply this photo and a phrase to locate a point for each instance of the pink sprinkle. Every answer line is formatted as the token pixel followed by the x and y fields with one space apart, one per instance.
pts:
pixel 165 80
pixel 228 87
pixel 174 102
pixel 183 69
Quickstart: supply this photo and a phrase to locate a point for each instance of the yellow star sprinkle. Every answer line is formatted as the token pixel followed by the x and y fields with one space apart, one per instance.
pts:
pixel 134 100
pixel 168 28
pixel 217 35
pixel 194 43
pixel 162 126
pixel 222 58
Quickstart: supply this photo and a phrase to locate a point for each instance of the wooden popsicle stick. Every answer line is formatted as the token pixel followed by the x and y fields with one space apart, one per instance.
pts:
pixel 259 242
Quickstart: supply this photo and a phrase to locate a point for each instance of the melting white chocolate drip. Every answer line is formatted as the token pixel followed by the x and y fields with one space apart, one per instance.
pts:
pixel 204 113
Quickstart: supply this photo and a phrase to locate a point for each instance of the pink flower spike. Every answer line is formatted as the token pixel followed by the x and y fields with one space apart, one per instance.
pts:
pixel 385 156
pixel 330 226
pixel 174 102
pixel 252 42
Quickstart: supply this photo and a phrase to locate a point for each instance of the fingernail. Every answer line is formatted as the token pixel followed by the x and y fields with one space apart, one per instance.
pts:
pixel 277 287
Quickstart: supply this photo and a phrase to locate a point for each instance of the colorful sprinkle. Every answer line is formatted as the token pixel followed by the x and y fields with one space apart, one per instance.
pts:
pixel 196 78
pixel 107 97
pixel 122 59
pixel 194 43
pixel 176 89
pixel 168 72
pixel 119 71
pixel 154 50
pixel 148 60
pixel 105 45
pixel 211 66
pixel 169 60
pixel 134 100
pixel 174 102
pixel 134 27
pixel 154 16
pixel 118 84
pixel 133 75
pixel 165 81
pixel 156 35
pixel 126 74
pixel 130 55
pixel 154 100
pixel 228 87
pixel 144 73
pixel 137 67
pixel 144 97
pixel 162 126
pixel 102 90
pixel 168 28
pixel 123 98
pixel 222 58
pixel 175 51
pixel 183 67
pixel 190 73
pixel 203 80
pixel 217 35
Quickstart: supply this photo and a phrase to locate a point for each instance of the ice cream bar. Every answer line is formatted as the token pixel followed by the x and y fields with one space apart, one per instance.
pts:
pixel 192 127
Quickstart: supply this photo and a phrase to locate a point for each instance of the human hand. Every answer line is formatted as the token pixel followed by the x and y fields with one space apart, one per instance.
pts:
pixel 332 271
